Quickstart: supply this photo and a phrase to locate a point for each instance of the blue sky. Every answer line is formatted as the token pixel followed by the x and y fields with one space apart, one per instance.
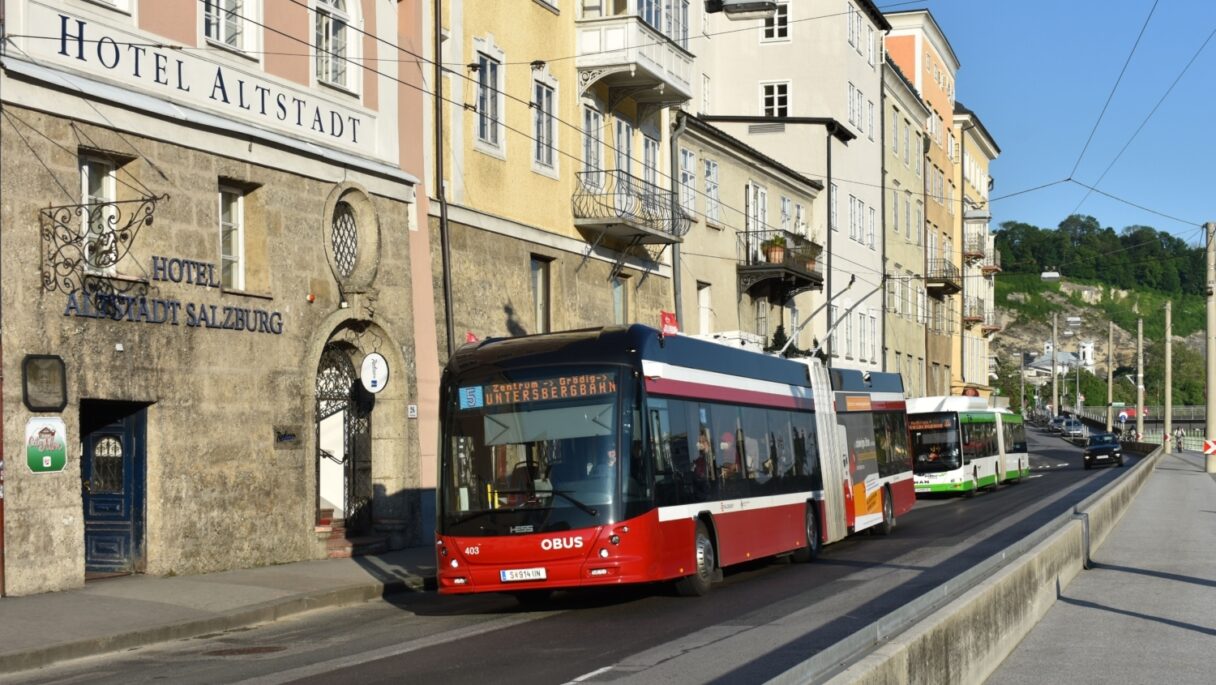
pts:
pixel 1038 72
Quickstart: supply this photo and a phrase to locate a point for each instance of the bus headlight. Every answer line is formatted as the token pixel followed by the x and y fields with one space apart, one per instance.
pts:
pixel 603 553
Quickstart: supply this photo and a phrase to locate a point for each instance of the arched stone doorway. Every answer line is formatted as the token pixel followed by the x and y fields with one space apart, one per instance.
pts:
pixel 344 442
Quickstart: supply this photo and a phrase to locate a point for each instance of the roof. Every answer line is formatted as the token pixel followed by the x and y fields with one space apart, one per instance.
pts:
pixel 875 14
pixel 1043 361
pixel 934 30
pixel 695 122
pixel 959 108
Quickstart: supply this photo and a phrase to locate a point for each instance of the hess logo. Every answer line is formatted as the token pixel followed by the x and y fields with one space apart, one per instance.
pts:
pixel 549 544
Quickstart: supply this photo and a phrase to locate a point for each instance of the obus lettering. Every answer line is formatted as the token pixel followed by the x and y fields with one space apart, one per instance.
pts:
pixel 549 544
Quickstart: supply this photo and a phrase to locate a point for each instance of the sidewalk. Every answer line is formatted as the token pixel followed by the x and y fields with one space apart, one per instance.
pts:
pixel 1146 610
pixel 120 613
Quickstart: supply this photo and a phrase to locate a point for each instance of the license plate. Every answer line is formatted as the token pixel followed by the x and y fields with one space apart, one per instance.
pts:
pixel 1103 456
pixel 518 574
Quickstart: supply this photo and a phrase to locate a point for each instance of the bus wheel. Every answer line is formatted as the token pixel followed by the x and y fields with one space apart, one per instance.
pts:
pixel 697 584
pixel 814 543
pixel 533 599
pixel 888 514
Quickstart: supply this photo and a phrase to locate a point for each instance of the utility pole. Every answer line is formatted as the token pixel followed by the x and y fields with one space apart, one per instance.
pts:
pixel 1110 376
pixel 1169 382
pixel 1022 377
pixel 1210 394
pixel 1055 388
pixel 1139 379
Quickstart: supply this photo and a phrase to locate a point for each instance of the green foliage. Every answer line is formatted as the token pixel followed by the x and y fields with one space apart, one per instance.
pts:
pixel 1081 249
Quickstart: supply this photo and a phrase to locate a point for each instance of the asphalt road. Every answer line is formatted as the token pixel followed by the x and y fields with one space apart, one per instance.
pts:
pixel 763 619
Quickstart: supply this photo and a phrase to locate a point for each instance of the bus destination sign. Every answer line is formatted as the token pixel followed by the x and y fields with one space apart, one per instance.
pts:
pixel 929 424
pixel 540 390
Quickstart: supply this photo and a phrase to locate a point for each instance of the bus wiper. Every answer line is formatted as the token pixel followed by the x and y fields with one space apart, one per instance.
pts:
pixel 569 498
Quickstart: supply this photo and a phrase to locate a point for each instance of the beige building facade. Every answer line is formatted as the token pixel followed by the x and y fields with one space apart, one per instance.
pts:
pixel 203 246
pixel 981 262
pixel 559 209
pixel 750 266
pixel 904 250
pixel 919 47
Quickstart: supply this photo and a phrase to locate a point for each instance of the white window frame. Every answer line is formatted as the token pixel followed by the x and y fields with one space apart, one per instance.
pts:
pixel 861 336
pixel 873 337
pixel 622 145
pixel 544 125
pixel 780 94
pixel 852 25
pixel 713 204
pixel 688 181
pixel 705 85
pixel 852 101
pixel 833 214
pixel 650 169
pixel 489 134
pixel 238 30
pixel 895 209
pixel 779 30
pixel 705 307
pixel 620 300
pixel 834 338
pixel 870 230
pixel 325 14
pixel 541 277
pixel 238 227
pixel 92 165
pixel 800 226
pixel 787 214
pixel 870 118
pixel 870 44
pixel 593 147
pixel 761 317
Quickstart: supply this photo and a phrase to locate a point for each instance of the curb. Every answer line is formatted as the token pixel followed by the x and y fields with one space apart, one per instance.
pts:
pixel 266 612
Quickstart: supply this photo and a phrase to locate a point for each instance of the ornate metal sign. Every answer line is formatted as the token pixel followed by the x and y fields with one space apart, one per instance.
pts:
pixel 82 244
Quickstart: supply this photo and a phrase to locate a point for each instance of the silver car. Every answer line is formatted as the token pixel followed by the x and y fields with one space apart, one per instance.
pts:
pixel 1073 429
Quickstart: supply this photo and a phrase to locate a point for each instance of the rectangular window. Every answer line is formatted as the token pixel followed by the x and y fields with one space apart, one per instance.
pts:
pixel 620 300
pixel 705 307
pixel 917 222
pixel 777 27
pixel 920 147
pixel 907 142
pixel 712 206
pixel 775 99
pixel 98 182
pixel 232 238
pixel 593 124
pixel 832 218
pixel 624 148
pixel 870 118
pixel 761 306
pixel 834 338
pixel 223 21
pixel 870 45
pixel 852 25
pixel 540 293
pixel 895 209
pixel 542 120
pixel 873 338
pixel 871 228
pixel 848 334
pixel 331 23
pixel 852 100
pixel 852 217
pixel 787 214
pixel 895 133
pixel 799 218
pixel 489 87
pixel 892 291
pixel 705 81
pixel 650 171
pixel 861 336
pixel 688 181
pixel 908 215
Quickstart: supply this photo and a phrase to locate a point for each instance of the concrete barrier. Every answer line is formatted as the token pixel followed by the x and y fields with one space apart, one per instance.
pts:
pixel 946 637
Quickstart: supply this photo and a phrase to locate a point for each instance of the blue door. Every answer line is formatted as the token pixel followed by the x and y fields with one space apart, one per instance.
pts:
pixel 112 470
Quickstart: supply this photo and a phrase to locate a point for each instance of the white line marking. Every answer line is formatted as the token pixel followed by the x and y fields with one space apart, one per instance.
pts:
pixel 588 676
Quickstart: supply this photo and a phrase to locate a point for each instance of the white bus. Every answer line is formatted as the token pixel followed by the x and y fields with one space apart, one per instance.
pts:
pixel 955 444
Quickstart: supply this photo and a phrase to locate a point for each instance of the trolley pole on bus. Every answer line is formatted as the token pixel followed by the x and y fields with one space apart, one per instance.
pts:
pixel 1139 379
pixel 1110 376
pixel 1055 388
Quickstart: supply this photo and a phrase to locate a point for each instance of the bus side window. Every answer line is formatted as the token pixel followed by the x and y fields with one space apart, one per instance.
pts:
pixel 806 452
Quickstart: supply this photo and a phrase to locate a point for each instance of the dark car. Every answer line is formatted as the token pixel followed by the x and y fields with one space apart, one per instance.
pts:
pixel 1103 448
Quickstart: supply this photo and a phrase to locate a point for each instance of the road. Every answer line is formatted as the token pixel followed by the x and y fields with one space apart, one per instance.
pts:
pixel 763 619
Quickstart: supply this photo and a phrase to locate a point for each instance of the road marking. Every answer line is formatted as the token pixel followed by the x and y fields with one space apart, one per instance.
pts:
pixel 323 667
pixel 588 676
pixel 1035 475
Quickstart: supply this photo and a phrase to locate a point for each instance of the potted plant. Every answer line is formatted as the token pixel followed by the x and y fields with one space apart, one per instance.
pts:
pixel 774 249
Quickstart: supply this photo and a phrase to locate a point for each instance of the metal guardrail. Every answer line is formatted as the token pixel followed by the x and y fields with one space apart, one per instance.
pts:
pixel 942 270
pixel 992 260
pixel 777 246
pixel 615 196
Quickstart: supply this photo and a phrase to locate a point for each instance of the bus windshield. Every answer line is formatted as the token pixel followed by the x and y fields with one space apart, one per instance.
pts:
pixel 935 442
pixel 531 453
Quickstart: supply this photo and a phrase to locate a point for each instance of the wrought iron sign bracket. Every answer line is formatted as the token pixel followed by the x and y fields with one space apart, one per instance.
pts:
pixel 82 244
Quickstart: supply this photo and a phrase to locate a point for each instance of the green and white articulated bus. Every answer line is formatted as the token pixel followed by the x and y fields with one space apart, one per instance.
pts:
pixel 960 444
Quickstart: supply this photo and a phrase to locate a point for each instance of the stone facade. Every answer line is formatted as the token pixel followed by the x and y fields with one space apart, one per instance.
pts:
pixel 222 487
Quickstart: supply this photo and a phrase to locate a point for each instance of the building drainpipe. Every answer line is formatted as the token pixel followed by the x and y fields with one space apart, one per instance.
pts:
pixel 681 124
pixel 882 208
pixel 440 192
pixel 3 41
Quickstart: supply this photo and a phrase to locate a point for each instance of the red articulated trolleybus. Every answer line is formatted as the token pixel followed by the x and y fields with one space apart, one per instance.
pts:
pixel 618 455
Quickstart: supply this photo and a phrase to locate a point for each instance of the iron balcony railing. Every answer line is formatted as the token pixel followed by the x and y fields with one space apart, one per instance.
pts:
pixel 975 247
pixel 942 273
pixel 778 247
pixel 615 197
pixel 973 310
pixel 992 261
pixel 990 321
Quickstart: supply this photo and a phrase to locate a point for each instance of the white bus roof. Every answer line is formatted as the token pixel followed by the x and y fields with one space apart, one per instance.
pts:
pixel 925 405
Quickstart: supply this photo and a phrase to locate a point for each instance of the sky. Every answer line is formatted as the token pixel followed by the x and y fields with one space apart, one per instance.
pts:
pixel 1038 73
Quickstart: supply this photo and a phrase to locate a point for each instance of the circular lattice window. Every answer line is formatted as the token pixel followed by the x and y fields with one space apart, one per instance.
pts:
pixel 352 237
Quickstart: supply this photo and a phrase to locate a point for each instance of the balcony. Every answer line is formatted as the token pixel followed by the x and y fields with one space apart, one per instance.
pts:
pixel 991 325
pixel 942 278
pixel 618 205
pixel 783 262
pixel 992 263
pixel 975 248
pixel 973 311
pixel 619 44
